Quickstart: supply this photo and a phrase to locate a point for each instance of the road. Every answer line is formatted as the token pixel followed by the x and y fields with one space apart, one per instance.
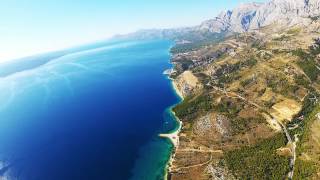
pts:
pixel 291 144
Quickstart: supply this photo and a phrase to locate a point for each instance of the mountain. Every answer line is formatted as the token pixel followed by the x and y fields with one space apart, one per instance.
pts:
pixel 253 16
pixel 246 17
pixel 236 20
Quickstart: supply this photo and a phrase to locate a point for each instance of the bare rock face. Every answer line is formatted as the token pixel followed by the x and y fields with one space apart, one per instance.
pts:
pixel 242 16
pixel 237 20
pixel 218 24
pixel 252 16
pixel 286 12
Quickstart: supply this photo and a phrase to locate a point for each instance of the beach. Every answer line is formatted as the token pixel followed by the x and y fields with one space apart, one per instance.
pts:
pixel 173 136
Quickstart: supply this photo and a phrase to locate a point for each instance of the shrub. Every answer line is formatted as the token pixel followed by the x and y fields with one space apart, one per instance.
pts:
pixel 190 106
pixel 302 81
pixel 304 169
pixel 310 68
pixel 260 161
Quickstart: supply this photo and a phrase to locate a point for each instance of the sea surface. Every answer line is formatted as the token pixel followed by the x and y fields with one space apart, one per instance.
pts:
pixel 89 113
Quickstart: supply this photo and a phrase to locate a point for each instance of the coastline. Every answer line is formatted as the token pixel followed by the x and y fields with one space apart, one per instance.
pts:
pixel 174 135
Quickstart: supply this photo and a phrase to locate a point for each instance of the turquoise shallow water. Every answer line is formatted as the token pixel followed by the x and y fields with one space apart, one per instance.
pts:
pixel 92 112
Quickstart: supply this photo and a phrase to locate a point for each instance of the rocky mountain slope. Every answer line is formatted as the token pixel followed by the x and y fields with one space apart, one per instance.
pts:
pixel 244 18
pixel 253 16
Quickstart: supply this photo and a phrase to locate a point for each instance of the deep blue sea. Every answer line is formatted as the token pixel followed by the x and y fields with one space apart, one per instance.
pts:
pixel 89 113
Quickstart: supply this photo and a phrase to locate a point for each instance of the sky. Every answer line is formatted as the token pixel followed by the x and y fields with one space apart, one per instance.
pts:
pixel 29 27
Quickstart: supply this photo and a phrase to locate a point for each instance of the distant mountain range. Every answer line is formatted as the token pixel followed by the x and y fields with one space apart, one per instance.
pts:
pixel 245 17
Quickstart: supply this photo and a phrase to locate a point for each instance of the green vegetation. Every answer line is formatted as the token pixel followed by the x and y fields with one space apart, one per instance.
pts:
pixel 229 72
pixel 301 53
pixel 314 18
pixel 302 81
pixel 246 82
pixel 309 111
pixel 198 41
pixel 242 125
pixel 204 79
pixel 288 90
pixel 229 108
pixel 258 45
pixel 185 65
pixel 281 84
pixel 294 31
pixel 310 68
pixel 309 105
pixel 315 50
pixel 278 83
pixel 307 62
pixel 282 38
pixel 273 82
pixel 251 62
pixel 193 105
pixel 270 103
pixel 182 48
pixel 259 161
pixel 303 170
pixel 239 125
pixel 226 78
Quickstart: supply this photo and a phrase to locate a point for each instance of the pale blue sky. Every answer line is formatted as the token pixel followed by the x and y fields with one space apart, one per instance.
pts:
pixel 34 26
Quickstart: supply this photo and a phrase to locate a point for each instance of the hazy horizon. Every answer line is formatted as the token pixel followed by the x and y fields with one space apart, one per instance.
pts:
pixel 33 27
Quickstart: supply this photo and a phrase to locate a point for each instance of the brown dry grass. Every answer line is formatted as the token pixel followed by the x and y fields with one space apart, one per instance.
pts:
pixel 286 109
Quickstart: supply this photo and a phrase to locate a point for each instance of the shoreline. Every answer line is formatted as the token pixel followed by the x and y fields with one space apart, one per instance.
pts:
pixel 175 88
pixel 174 135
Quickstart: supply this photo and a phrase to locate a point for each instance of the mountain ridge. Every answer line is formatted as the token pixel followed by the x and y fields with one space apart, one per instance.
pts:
pixel 244 18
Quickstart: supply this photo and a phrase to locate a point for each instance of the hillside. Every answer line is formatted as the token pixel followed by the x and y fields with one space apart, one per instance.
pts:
pixel 250 108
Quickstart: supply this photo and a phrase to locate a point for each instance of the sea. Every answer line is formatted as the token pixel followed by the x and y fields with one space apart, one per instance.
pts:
pixel 92 112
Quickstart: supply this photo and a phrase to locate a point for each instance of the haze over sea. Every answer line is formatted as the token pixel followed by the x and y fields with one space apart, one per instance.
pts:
pixel 89 113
